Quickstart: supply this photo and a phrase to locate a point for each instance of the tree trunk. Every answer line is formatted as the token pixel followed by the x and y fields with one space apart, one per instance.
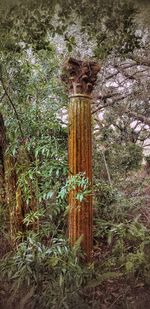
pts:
pixel 10 188
pixel 2 149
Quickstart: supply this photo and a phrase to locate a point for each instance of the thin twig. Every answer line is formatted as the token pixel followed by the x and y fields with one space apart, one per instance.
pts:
pixel 124 293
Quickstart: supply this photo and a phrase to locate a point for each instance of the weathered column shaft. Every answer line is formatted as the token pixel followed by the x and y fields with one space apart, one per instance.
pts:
pixel 80 160
pixel 80 77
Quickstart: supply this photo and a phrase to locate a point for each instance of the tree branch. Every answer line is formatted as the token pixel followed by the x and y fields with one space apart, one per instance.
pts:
pixel 12 105
pixel 139 117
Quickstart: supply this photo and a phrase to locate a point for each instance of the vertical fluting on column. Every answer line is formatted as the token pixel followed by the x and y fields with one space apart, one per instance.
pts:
pixel 80 161
pixel 80 77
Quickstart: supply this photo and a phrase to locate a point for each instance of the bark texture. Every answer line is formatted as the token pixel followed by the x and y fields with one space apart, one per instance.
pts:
pixel 10 188
pixel 2 149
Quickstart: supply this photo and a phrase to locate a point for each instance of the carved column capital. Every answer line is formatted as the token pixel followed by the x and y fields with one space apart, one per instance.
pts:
pixel 80 76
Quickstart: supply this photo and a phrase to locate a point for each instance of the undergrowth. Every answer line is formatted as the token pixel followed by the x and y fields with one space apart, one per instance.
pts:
pixel 45 272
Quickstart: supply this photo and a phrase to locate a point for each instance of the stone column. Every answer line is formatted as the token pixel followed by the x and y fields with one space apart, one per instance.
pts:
pixel 80 78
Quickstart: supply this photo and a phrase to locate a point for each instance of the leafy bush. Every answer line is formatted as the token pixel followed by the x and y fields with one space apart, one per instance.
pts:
pixel 124 158
pixel 53 274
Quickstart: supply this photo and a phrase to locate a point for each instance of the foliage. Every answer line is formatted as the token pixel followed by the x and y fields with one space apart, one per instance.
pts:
pixel 111 24
pixel 79 182
pixel 127 157
pixel 44 272
pixel 52 273
pixel 33 130
pixel 115 162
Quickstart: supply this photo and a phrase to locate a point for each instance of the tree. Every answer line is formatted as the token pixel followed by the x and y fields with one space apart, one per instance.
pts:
pixel 27 101
pixel 30 22
pixel 123 99
pixel 2 147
